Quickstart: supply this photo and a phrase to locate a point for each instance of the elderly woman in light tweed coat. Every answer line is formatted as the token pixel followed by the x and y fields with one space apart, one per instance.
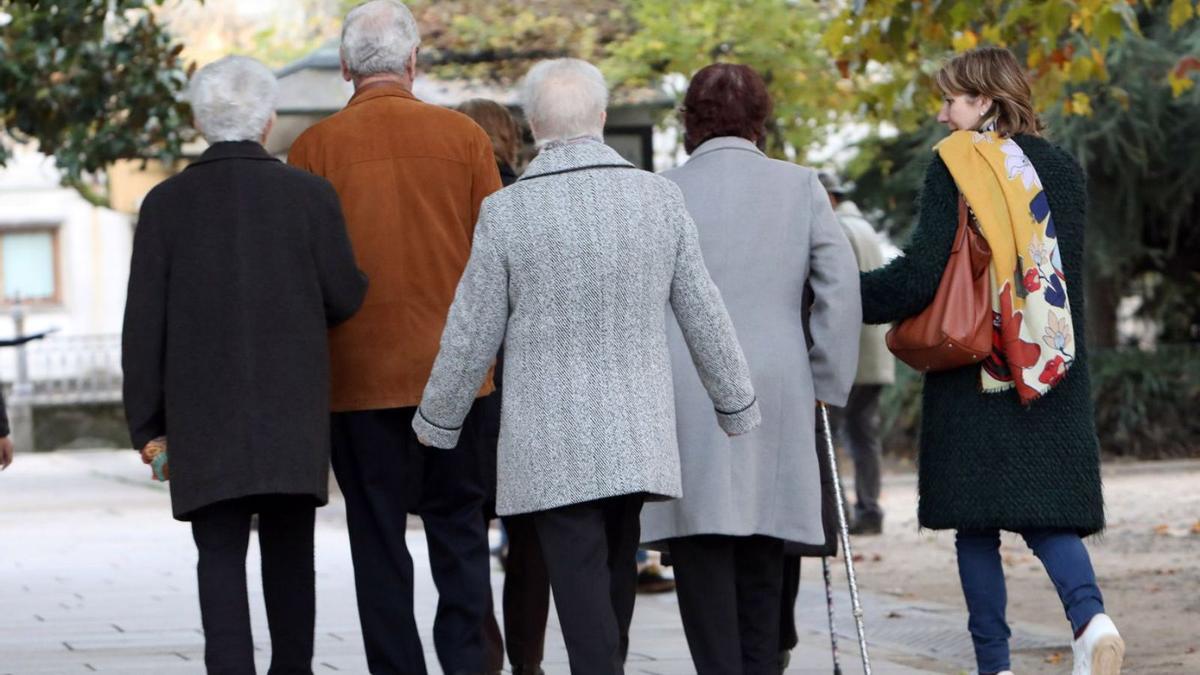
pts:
pixel 573 268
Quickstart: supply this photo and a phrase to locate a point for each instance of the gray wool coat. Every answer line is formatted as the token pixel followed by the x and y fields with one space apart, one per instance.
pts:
pixel 767 232
pixel 573 268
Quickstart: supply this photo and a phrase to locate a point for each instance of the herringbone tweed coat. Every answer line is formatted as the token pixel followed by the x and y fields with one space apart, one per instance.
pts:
pixel 573 269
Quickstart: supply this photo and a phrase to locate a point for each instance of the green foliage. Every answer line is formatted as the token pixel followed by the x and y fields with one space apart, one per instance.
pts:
pixel 90 88
pixel 889 50
pixel 1146 401
pixel 778 38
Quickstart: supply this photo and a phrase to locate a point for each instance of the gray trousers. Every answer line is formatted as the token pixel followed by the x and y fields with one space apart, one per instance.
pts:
pixel 858 427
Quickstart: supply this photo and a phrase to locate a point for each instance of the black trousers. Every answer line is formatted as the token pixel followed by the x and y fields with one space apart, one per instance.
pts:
pixel 729 598
pixel 591 550
pixel 526 601
pixel 386 474
pixel 788 639
pixel 285 536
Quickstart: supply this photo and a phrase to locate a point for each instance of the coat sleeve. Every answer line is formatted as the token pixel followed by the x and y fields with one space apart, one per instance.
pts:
pixel 708 330
pixel 485 174
pixel 144 335
pixel 907 285
pixel 474 330
pixel 835 318
pixel 343 285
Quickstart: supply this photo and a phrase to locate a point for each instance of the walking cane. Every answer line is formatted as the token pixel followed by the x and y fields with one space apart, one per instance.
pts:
pixel 837 661
pixel 844 532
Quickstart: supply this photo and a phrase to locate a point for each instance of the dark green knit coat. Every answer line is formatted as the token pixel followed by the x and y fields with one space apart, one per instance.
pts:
pixel 986 461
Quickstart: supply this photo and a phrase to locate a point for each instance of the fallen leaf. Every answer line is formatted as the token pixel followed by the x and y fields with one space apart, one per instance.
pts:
pixel 1196 527
pixel 1054 658
pixel 876 558
pixel 1162 529
pixel 858 557
pixel 1191 650
pixel 895 615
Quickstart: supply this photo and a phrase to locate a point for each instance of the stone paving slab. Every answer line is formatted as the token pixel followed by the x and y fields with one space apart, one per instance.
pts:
pixel 95 576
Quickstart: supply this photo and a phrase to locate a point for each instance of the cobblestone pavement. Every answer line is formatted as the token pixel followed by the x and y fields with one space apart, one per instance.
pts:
pixel 95 576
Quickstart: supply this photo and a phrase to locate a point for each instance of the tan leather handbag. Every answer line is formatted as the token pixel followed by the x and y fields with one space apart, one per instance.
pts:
pixel 955 330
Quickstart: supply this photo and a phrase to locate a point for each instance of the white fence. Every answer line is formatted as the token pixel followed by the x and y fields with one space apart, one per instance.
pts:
pixel 67 369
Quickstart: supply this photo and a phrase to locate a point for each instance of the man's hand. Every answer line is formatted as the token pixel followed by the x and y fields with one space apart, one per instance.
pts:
pixel 6 452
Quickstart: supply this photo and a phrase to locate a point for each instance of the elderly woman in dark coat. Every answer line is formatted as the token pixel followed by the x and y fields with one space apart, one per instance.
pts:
pixel 240 263
pixel 1009 445
pixel 768 232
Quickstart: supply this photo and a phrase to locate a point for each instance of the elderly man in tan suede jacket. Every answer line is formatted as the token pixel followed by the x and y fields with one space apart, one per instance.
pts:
pixel 411 177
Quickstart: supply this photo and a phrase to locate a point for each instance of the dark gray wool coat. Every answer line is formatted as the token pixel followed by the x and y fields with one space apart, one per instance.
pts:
pixel 240 264
pixel 986 461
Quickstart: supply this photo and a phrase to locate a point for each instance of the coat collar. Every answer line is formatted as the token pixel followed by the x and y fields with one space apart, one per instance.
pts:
pixel 233 150
pixel 573 154
pixel 726 143
pixel 379 89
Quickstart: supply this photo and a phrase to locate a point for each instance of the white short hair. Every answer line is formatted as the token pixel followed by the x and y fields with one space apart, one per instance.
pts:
pixel 378 37
pixel 233 99
pixel 564 98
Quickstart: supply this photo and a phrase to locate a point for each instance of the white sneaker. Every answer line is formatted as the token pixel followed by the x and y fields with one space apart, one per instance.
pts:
pixel 1100 650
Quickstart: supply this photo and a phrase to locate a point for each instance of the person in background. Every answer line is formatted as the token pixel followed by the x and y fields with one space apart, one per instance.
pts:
pixel 572 269
pixel 1009 444
pixel 858 422
pixel 526 596
pixel 767 232
pixel 411 177
pixel 240 265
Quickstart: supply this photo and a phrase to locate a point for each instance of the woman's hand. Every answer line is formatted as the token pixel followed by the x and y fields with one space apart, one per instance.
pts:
pixel 6 452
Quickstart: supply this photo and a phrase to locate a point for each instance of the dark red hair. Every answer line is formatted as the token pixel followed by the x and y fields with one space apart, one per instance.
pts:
pixel 725 99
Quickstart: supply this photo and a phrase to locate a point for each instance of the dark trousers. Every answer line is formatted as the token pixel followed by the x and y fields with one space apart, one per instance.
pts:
pixel 858 425
pixel 526 601
pixel 386 474
pixel 729 592
pixel 285 538
pixel 979 568
pixel 526 593
pixel 590 551
pixel 788 639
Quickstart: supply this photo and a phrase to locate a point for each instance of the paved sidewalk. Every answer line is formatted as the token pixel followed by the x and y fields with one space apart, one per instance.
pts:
pixel 95 576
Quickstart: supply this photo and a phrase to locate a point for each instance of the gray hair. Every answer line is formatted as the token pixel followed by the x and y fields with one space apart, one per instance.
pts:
pixel 564 98
pixel 378 37
pixel 233 99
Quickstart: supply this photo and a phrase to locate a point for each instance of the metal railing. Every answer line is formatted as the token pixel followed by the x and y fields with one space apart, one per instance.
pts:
pixel 72 369
pixel 52 370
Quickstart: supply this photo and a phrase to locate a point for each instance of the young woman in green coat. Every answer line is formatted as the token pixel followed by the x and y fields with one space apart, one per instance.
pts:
pixel 1009 445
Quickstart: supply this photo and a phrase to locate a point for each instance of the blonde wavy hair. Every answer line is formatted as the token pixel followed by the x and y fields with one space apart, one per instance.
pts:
pixel 994 72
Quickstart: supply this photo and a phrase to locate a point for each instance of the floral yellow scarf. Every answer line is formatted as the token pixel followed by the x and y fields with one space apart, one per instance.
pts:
pixel 1032 344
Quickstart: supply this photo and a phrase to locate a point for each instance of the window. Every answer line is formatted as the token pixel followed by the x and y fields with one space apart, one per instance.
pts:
pixel 28 265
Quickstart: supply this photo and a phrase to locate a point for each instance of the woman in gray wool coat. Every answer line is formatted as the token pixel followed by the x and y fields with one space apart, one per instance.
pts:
pixel 572 268
pixel 768 232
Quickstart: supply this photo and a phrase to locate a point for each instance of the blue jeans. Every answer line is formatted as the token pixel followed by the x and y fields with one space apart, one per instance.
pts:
pixel 1066 561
